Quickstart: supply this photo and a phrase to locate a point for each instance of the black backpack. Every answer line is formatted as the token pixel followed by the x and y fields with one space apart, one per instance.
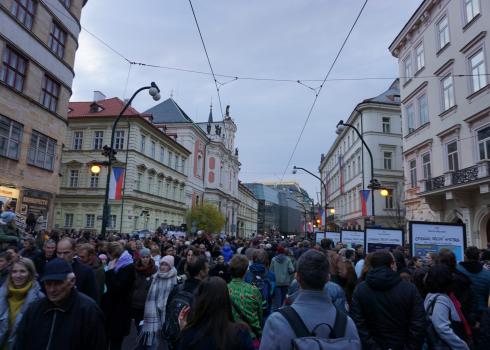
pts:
pixel 180 299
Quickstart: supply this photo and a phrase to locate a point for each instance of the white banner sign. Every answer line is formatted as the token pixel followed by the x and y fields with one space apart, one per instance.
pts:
pixel 319 236
pixel 382 239
pixel 334 236
pixel 351 238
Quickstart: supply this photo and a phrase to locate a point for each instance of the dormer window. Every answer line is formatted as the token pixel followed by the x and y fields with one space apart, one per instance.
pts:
pixel 95 108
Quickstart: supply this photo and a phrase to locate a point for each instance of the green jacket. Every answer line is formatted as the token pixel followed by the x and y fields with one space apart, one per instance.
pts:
pixel 283 268
pixel 248 300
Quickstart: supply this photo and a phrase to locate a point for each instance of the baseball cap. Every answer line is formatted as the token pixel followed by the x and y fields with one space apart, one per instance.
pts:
pixel 56 270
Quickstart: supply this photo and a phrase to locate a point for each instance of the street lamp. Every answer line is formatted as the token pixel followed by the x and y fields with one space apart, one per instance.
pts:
pixel 384 192
pixel 322 184
pixel 109 151
pixel 95 169
pixel 374 184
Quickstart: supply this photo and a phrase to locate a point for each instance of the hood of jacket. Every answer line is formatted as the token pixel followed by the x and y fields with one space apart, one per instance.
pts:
pixel 382 278
pixel 257 268
pixel 472 266
pixel 280 258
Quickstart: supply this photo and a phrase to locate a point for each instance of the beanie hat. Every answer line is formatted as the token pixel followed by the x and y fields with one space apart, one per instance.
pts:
pixel 144 252
pixel 280 249
pixel 169 260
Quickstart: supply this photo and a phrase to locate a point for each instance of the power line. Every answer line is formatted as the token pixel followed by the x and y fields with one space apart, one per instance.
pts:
pixel 207 56
pixel 321 87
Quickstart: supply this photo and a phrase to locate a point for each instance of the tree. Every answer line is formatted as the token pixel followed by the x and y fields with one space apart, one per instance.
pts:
pixel 206 217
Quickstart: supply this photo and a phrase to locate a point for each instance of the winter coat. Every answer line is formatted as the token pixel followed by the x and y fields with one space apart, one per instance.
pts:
pixel 334 291
pixel 221 270
pixel 227 253
pixel 142 283
pixel 32 295
pixel 41 262
pixel 99 274
pixel 116 302
pixel 443 313
pixel 283 268
pixel 76 324
pixel 480 281
pixel 388 312
pixel 85 279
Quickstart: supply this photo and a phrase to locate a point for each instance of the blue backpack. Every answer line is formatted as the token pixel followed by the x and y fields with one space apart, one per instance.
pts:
pixel 261 281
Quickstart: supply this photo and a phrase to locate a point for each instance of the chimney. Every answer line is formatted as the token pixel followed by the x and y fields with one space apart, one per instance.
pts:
pixel 98 96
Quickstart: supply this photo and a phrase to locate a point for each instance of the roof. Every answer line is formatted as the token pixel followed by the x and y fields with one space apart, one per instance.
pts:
pixel 109 108
pixel 262 192
pixel 169 112
pixel 388 96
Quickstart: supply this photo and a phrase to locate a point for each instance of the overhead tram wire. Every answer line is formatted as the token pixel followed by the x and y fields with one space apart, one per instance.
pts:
pixel 207 56
pixel 321 88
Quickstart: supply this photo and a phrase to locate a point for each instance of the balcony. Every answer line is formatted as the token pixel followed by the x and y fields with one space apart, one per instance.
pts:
pixel 459 178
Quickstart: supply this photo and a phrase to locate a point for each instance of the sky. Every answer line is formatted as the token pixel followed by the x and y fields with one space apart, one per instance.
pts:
pixel 279 39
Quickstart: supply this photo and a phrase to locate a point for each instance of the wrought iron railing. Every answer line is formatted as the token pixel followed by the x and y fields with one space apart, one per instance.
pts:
pixel 435 183
pixel 465 175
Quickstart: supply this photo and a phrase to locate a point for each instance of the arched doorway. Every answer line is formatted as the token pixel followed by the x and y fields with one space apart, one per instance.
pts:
pixel 484 227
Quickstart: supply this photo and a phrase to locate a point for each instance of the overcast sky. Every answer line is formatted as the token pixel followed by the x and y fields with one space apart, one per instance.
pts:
pixel 280 39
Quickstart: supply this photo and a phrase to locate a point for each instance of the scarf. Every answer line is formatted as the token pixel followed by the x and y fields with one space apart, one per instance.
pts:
pixel 147 270
pixel 124 260
pixel 156 300
pixel 16 298
pixel 459 310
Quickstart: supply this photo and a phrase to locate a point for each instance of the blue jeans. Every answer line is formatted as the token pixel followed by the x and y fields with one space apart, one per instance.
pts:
pixel 279 297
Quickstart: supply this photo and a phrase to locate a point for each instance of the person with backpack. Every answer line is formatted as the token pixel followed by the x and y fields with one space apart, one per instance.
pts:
pixel 183 296
pixel 259 276
pixel 283 268
pixel 312 321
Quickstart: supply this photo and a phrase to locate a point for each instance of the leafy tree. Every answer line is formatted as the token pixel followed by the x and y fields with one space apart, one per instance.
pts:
pixel 206 217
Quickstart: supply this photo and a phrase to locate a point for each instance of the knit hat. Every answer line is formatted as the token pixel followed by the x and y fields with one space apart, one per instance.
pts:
pixel 280 249
pixel 103 257
pixel 168 259
pixel 144 252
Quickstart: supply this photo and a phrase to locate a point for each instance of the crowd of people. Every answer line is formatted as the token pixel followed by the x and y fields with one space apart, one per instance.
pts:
pixel 77 291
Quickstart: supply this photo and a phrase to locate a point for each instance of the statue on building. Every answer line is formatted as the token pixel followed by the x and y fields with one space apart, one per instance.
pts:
pixel 227 113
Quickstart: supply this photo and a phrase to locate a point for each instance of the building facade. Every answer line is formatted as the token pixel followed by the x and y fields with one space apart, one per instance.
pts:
pixel 213 172
pixel 346 167
pixel 38 41
pixel 153 190
pixel 247 212
pixel 443 53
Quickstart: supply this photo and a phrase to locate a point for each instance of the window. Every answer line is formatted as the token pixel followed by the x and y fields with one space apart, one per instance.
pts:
pixel 98 139
pixel 138 181
pixel 143 142
pixel 68 220
pixel 162 154
pixel 159 187
pixel 150 184
pixel 423 109
pixel 419 57
pixel 410 118
pixel 112 221
pixel 359 164
pixel 153 149
pixel 13 70
pixel 478 71
pixel 57 39
pixel 24 11
pixel 472 9
pixel 199 165
pixel 387 157
pixel 443 32
pixel 41 151
pixel 50 93
pixel 413 173
pixel 74 178
pixel 484 143
pixel 176 163
pixel 386 125
pixel 77 140
pixel 426 166
pixel 89 220
pixel 119 139
pixel 407 64
pixel 94 180
pixel 452 156
pixel 170 157
pixel 447 92
pixel 183 164
pixel 389 199
pixel 66 3
pixel 10 137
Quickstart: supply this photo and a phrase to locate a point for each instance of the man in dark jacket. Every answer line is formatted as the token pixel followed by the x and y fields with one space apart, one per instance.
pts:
pixel 85 277
pixel 65 319
pixel 88 256
pixel 387 310
pixel 48 254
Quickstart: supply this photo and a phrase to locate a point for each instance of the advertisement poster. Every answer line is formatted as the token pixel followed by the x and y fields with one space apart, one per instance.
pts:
pixel 334 236
pixel 319 236
pixel 383 239
pixel 430 237
pixel 351 238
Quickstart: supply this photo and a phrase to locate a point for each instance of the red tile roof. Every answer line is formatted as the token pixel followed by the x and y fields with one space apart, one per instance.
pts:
pixel 111 108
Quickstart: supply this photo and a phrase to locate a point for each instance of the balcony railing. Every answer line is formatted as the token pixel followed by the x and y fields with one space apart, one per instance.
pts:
pixel 458 177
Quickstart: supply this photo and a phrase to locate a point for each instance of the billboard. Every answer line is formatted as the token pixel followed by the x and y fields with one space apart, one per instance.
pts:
pixel 383 239
pixel 430 237
pixel 319 236
pixel 351 238
pixel 334 236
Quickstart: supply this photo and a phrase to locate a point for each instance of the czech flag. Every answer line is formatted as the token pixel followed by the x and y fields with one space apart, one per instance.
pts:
pixel 117 183
pixel 364 198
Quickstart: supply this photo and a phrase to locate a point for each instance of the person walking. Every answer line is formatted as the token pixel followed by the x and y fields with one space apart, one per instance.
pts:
pixel 210 326
pixel 88 256
pixel 16 295
pixel 48 254
pixel 283 268
pixel 387 310
pixel 64 319
pixel 116 302
pixel 312 306
pixel 155 306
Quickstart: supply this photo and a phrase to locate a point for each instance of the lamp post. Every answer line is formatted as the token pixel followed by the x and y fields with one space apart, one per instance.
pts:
pixel 322 184
pixel 374 184
pixel 109 151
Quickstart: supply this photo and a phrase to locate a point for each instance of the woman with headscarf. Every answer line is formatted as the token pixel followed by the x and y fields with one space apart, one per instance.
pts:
pixel 154 317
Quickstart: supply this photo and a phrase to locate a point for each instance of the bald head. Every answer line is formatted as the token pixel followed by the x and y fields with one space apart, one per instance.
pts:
pixel 66 249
